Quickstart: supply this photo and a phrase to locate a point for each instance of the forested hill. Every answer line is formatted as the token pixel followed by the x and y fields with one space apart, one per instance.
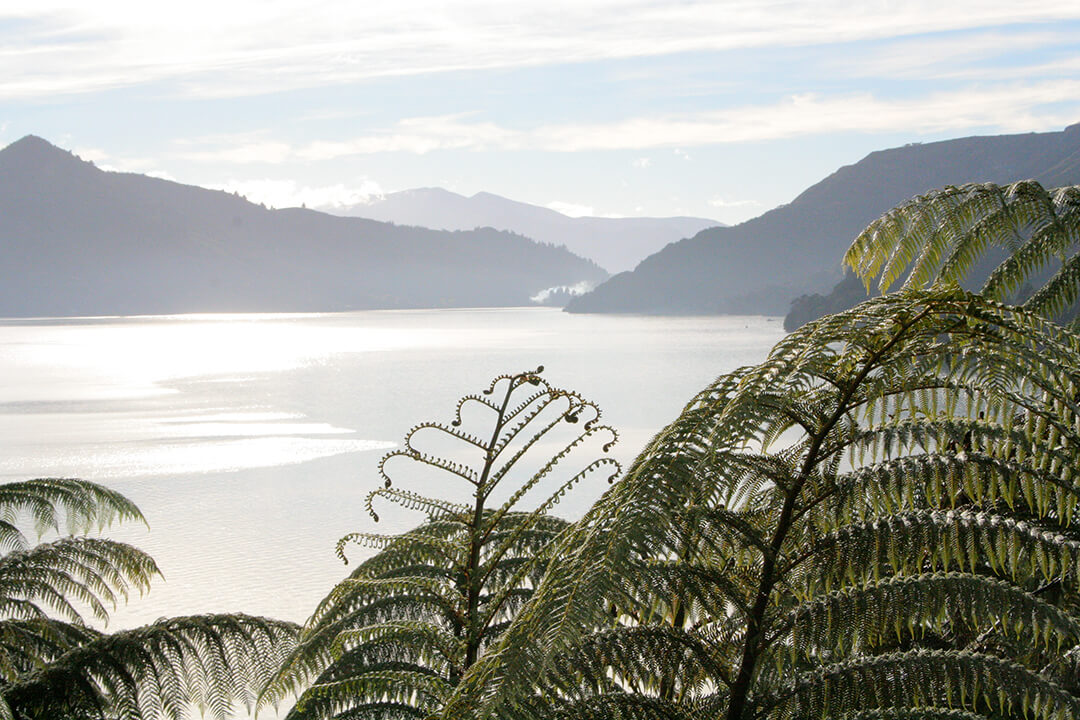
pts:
pixel 761 265
pixel 80 241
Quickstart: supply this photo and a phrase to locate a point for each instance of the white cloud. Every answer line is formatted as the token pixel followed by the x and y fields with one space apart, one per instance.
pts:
pixel 642 162
pixel 577 289
pixel 1005 107
pixel 287 193
pixel 722 202
pixel 411 135
pixel 419 136
pixel 943 56
pixel 244 47
pixel 111 163
pixel 94 155
pixel 270 153
pixel 571 209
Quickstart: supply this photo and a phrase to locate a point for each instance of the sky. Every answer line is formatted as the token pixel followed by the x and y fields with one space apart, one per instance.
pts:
pixel 720 109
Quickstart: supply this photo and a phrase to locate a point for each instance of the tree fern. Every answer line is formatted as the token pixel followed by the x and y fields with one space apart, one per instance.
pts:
pixel 55 664
pixel 394 639
pixel 876 521
pixel 939 237
pixel 161 670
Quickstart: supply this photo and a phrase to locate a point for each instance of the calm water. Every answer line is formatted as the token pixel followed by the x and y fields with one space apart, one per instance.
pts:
pixel 250 441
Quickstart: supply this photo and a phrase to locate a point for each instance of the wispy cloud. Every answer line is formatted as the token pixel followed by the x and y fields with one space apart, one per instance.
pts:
pixel 955 55
pixel 1006 107
pixel 721 202
pixel 261 152
pixel 419 136
pixel 287 193
pixel 245 47
pixel 571 209
pixel 112 163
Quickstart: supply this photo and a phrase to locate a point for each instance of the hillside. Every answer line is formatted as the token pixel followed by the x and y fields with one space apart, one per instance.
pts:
pixel 616 244
pixel 80 241
pixel 761 265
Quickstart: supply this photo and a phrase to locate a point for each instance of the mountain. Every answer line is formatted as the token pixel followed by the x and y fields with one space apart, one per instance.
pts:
pixel 761 265
pixel 80 241
pixel 616 244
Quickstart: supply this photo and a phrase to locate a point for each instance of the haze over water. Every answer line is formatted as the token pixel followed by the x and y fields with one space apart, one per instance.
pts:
pixel 250 441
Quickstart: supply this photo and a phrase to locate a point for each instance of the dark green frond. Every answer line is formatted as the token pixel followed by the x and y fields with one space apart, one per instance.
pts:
pixel 964 680
pixel 886 499
pixel 162 670
pixel 60 504
pixel 94 571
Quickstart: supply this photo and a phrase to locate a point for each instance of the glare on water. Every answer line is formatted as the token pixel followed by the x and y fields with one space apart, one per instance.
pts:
pixel 250 441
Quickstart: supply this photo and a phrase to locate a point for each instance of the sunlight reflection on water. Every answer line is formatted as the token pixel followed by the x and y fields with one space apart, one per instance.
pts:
pixel 250 441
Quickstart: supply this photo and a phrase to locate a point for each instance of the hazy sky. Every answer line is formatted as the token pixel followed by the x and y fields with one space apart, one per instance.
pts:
pixel 718 109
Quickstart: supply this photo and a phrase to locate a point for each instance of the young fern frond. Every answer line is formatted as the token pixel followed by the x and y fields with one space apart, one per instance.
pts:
pixel 394 639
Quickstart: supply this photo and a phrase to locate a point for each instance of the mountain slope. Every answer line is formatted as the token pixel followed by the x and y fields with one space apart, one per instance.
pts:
pixel 616 244
pixel 761 265
pixel 80 241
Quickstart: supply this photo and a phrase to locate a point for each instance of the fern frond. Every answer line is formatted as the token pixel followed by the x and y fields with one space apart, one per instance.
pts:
pixel 857 618
pixel 93 571
pixel 60 504
pixel 395 638
pixel 924 678
pixel 210 661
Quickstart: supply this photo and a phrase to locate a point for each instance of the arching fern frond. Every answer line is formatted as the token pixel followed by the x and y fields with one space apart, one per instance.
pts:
pixel 979 683
pixel 60 504
pixel 939 238
pixel 163 670
pixel 95 572
pixel 911 460
pixel 52 664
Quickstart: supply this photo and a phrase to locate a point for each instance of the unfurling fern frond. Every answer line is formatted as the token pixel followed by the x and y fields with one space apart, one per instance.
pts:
pixel 394 639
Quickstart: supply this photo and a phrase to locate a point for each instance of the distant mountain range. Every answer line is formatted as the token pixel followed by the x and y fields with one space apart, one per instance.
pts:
pixel 76 240
pixel 616 244
pixel 761 265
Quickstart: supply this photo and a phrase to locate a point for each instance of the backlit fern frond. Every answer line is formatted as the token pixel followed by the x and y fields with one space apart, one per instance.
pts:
pixel 54 665
pixel 394 638
pixel 59 504
pixel 983 684
pixel 939 238
pixel 885 505
pixel 208 663
pixel 94 572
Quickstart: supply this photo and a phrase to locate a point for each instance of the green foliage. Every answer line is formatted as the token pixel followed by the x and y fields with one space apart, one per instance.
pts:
pixel 53 664
pixel 875 522
pixel 394 639
pixel 939 238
